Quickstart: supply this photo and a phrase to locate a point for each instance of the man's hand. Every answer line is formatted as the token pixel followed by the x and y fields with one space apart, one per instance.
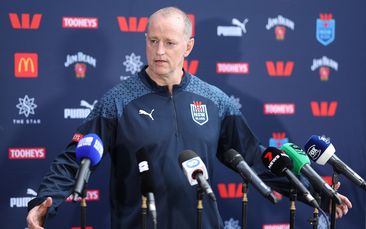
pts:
pixel 36 215
pixel 342 209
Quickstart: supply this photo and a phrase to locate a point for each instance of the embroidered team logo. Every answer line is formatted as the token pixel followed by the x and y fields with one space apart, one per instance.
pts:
pixel 325 29
pixel 199 113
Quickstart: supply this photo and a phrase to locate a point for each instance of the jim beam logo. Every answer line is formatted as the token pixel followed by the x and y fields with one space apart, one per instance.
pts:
pixel 324 65
pixel 280 24
pixel 199 112
pixel 80 61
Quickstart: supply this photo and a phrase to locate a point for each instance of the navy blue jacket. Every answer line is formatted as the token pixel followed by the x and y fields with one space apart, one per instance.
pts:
pixel 138 113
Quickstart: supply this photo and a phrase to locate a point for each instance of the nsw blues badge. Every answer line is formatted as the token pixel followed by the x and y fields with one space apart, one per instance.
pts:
pixel 199 112
pixel 325 29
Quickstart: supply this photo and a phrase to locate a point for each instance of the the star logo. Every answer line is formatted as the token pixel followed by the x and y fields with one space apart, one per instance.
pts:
pixel 26 106
pixel 133 63
pixel 232 224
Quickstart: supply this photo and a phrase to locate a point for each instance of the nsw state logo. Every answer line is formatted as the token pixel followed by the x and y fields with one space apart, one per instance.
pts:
pixel 199 112
pixel 325 29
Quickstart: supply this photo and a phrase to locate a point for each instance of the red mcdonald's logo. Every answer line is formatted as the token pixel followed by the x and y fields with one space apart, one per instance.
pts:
pixel 26 65
pixel 25 22
pixel 280 68
pixel 324 109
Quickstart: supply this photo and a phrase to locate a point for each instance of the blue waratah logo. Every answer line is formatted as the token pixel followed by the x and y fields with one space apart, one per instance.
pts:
pixel 325 29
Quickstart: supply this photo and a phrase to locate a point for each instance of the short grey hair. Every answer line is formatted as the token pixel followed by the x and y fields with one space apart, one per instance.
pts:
pixel 171 10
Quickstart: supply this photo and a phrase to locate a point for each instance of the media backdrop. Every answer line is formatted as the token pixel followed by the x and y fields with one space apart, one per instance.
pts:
pixel 296 68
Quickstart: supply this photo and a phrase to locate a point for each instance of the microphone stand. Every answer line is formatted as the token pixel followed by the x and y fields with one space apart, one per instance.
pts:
pixel 143 211
pixel 293 196
pixel 315 220
pixel 244 205
pixel 199 207
pixel 83 209
pixel 335 179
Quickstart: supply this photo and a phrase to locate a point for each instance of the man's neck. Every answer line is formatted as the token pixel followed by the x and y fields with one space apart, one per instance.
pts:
pixel 166 80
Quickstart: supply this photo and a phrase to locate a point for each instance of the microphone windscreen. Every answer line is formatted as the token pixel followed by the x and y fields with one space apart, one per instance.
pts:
pixel 276 161
pixel 90 147
pixel 233 157
pixel 185 155
pixel 147 181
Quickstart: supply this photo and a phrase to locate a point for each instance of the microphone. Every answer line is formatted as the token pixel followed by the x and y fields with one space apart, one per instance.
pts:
pixel 195 171
pixel 322 151
pixel 236 162
pixel 147 184
pixel 280 164
pixel 89 152
pixel 301 164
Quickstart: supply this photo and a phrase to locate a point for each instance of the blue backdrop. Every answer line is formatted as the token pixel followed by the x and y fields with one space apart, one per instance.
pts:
pixel 294 67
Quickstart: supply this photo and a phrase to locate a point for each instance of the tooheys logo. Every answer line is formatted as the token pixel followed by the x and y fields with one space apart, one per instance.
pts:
pixel 232 68
pixel 26 65
pixel 230 190
pixel 22 202
pixel 276 226
pixel 191 66
pixel 27 153
pixel 280 68
pixel 324 64
pixel 323 108
pixel 278 139
pixel 134 24
pixel 279 108
pixel 280 23
pixel 25 21
pixel 80 22
pixel 91 195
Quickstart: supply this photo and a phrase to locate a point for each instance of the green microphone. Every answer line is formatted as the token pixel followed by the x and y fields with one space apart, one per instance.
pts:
pixel 301 164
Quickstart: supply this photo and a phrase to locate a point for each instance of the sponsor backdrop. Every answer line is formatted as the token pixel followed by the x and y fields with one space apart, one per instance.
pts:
pixel 294 68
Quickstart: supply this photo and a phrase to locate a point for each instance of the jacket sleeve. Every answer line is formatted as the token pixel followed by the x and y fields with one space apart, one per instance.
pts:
pixel 59 181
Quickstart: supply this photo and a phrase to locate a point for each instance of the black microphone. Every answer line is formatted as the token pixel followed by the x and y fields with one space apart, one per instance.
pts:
pixel 236 162
pixel 88 152
pixel 195 171
pixel 280 164
pixel 147 181
pixel 302 164
pixel 322 151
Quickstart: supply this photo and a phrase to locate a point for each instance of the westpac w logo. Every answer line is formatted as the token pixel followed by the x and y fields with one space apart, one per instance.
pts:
pixel 25 22
pixel 324 109
pixel 280 68
pixel 132 24
pixel 191 66
pixel 199 113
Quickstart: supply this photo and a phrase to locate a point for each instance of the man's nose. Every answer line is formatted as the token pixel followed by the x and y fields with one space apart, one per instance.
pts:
pixel 160 48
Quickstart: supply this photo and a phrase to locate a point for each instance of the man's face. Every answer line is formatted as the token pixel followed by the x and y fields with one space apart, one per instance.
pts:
pixel 167 45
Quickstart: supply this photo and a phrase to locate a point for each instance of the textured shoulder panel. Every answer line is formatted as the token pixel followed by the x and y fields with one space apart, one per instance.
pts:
pixel 223 102
pixel 113 102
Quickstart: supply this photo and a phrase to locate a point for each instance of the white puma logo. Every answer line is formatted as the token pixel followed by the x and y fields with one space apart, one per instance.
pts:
pixel 142 112
pixel 84 103
pixel 240 24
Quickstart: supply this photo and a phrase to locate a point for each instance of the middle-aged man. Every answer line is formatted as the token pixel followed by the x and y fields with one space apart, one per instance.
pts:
pixel 164 110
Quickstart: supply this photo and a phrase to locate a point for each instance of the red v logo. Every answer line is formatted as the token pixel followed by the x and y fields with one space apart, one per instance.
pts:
pixel 191 66
pixel 280 68
pixel 133 24
pixel 25 22
pixel 230 190
pixel 324 109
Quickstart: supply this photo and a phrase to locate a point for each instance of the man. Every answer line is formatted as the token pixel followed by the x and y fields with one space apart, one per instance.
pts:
pixel 164 110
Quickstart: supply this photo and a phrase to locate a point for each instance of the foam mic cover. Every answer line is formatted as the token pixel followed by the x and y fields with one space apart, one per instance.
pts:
pixel 147 184
pixel 276 160
pixel 90 147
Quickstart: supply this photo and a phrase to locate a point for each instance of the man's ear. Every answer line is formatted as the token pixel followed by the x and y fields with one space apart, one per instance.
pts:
pixel 189 47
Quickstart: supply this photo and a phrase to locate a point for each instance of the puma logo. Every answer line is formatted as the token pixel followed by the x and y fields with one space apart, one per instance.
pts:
pixel 142 112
